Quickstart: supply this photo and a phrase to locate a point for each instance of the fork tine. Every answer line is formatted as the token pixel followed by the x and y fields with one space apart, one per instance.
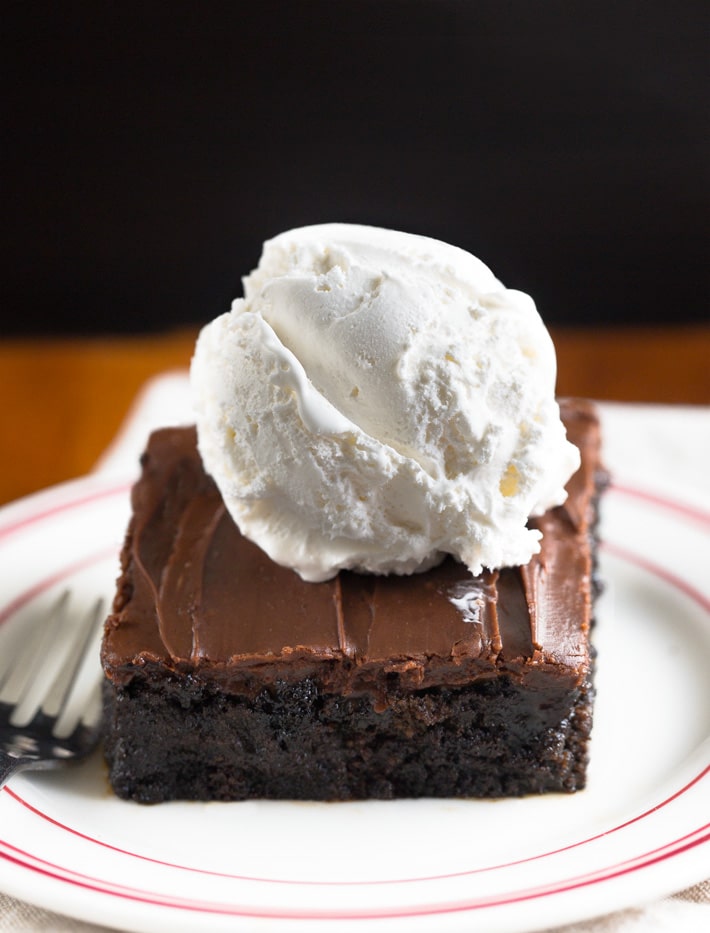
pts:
pixel 59 692
pixel 18 670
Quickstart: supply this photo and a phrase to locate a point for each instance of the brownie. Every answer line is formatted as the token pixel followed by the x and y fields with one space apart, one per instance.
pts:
pixel 228 677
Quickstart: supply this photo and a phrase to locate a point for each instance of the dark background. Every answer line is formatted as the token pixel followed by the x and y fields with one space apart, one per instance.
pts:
pixel 151 147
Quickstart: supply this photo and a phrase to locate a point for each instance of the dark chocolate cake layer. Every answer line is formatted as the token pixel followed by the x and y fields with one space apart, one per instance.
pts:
pixel 229 677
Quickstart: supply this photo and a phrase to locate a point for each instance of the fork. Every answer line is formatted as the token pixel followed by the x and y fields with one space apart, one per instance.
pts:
pixel 49 696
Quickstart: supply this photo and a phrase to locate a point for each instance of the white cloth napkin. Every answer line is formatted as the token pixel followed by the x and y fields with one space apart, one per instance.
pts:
pixel 653 447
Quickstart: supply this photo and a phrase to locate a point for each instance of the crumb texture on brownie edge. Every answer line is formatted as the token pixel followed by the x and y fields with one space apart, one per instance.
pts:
pixel 149 687
pixel 293 742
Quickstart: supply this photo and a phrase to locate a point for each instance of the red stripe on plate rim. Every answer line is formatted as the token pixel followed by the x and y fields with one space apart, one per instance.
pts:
pixel 670 850
pixel 80 498
pixel 371 883
pixel 673 505
pixel 662 573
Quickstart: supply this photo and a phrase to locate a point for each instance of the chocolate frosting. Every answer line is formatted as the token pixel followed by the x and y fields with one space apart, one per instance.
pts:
pixel 197 597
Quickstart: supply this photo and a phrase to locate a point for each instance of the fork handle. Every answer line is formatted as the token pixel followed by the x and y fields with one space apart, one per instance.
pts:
pixel 10 764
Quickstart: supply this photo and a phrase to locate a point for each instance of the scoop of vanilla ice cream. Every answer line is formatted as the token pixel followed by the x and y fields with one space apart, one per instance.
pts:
pixel 378 400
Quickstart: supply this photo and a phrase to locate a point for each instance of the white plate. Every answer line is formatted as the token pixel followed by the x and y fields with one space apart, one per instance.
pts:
pixel 638 831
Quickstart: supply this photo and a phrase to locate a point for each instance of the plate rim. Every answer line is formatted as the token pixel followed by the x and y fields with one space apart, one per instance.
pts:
pixel 87 491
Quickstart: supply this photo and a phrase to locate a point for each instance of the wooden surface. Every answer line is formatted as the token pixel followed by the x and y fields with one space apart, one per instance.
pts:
pixel 63 400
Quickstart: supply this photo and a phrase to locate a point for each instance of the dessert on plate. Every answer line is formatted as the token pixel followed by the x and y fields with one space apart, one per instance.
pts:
pixel 368 570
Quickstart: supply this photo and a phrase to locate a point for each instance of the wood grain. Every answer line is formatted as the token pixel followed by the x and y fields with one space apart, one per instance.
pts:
pixel 64 399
